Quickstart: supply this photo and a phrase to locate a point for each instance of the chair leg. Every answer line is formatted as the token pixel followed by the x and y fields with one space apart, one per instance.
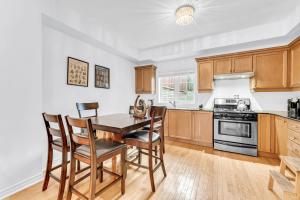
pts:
pixel 155 153
pixel 163 145
pixel 93 180
pixel 63 175
pixel 78 165
pixel 139 156
pixel 72 177
pixel 162 159
pixel 101 173
pixel 151 170
pixel 114 163
pixel 49 167
pixel 123 169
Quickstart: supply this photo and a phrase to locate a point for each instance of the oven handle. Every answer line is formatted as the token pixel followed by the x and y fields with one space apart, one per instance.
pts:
pixel 235 144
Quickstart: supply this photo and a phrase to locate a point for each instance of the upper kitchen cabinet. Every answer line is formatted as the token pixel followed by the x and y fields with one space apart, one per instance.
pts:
pixel 145 78
pixel 295 65
pixel 222 66
pixel 205 76
pixel 270 70
pixel 241 64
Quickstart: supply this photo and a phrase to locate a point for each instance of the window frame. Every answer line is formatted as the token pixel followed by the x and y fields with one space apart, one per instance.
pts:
pixel 177 74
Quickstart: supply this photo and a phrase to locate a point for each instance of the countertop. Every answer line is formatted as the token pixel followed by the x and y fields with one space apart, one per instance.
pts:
pixel 283 114
pixel 278 113
pixel 190 109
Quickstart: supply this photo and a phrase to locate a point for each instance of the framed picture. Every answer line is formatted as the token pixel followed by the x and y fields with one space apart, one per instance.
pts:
pixel 78 72
pixel 102 77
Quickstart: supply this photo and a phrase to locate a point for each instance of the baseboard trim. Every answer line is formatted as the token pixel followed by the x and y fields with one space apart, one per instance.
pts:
pixel 10 190
pixel 6 192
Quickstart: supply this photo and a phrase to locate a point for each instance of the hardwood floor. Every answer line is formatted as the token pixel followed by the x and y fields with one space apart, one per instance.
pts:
pixel 192 173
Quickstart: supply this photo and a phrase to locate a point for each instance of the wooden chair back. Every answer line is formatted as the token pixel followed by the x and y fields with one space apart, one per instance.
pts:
pixel 55 128
pixel 131 109
pixel 86 107
pixel 78 139
pixel 157 114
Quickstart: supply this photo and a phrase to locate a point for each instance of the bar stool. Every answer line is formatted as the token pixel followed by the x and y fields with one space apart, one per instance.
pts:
pixel 93 152
pixel 58 141
pixel 146 140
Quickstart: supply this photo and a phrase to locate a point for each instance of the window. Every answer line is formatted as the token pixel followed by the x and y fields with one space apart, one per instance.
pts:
pixel 179 88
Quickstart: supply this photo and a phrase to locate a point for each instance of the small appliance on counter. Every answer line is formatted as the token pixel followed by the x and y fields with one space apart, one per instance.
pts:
pixel 294 108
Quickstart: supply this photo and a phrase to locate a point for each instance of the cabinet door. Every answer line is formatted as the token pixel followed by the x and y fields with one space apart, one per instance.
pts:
pixel 138 80
pixel 223 66
pixel 148 80
pixel 266 133
pixel 281 135
pixel 242 64
pixel 180 124
pixel 203 128
pixel 295 66
pixel 270 70
pixel 205 76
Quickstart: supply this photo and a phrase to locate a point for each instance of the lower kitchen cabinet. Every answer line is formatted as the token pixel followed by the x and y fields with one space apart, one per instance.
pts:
pixel 180 125
pixel 203 128
pixel 266 134
pixel 194 127
pixel 281 135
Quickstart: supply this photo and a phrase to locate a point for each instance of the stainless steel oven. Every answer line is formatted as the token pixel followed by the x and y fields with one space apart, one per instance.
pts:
pixel 235 131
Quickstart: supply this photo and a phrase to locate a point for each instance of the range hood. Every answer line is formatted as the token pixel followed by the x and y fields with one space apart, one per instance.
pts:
pixel 234 76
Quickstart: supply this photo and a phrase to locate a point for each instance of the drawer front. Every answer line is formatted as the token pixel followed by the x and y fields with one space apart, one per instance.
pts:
pixel 295 126
pixel 293 149
pixel 294 136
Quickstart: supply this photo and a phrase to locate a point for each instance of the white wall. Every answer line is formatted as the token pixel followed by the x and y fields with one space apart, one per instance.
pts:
pixel 33 80
pixel 58 97
pixel 227 88
pixel 21 95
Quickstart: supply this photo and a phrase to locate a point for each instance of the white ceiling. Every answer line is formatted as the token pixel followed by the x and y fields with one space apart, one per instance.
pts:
pixel 149 23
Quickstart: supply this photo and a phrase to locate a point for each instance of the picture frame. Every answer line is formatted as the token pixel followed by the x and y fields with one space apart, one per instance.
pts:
pixel 102 77
pixel 77 72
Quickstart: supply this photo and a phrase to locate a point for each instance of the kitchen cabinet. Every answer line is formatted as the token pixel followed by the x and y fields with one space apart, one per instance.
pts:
pixel 270 70
pixel 295 65
pixel 222 66
pixel 205 76
pixel 180 124
pixel 293 145
pixel 241 64
pixel 145 78
pixel 195 127
pixel 266 134
pixel 202 124
pixel 281 131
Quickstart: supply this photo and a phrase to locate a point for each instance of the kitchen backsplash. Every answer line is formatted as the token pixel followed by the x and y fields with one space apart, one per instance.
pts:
pixel 276 101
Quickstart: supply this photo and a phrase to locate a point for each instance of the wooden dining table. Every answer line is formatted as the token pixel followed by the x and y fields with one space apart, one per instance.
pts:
pixel 119 124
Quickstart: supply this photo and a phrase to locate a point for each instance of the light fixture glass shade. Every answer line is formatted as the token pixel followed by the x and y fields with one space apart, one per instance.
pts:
pixel 185 15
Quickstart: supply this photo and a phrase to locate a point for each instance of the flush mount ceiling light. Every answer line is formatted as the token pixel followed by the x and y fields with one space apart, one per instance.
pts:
pixel 184 15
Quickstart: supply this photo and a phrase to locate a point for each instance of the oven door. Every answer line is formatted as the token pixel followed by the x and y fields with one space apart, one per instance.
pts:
pixel 243 132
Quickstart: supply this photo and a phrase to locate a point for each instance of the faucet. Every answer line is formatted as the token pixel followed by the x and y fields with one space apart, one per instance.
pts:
pixel 173 103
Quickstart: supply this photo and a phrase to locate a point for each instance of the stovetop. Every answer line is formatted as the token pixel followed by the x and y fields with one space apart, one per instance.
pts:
pixel 222 110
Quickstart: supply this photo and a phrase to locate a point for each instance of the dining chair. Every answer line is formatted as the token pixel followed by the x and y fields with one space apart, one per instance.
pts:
pixel 93 107
pixel 159 127
pixel 57 140
pixel 93 152
pixel 146 140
